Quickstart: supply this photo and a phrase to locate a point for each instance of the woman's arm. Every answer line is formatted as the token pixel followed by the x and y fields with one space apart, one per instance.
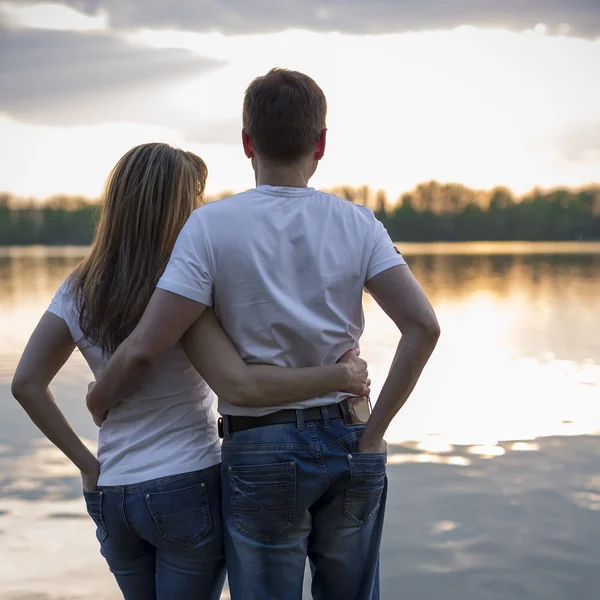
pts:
pixel 47 351
pixel 215 357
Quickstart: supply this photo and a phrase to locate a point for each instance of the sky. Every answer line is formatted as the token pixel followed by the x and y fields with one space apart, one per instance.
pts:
pixel 474 91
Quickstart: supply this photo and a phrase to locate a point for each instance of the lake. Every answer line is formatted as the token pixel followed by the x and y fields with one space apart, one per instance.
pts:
pixel 494 463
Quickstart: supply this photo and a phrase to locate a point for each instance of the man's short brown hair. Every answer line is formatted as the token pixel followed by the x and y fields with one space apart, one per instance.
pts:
pixel 284 114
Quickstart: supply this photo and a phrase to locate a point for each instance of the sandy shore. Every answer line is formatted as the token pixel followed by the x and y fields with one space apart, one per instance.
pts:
pixel 460 526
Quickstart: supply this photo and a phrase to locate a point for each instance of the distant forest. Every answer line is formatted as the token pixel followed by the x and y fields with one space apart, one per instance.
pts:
pixel 431 212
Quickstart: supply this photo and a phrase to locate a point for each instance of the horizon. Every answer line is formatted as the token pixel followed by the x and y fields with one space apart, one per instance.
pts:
pixel 335 189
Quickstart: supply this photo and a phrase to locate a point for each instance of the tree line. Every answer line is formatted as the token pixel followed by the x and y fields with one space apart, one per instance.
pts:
pixel 431 212
pixel 453 212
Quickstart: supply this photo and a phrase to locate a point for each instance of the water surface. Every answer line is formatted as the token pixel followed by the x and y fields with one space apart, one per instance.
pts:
pixel 493 467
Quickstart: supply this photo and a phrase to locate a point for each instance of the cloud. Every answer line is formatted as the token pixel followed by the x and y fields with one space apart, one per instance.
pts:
pixel 72 78
pixel 579 17
pixel 50 16
pixel 582 143
pixel 221 131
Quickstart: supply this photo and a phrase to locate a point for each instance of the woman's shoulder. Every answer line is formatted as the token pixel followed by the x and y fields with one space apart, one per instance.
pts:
pixel 65 294
pixel 65 305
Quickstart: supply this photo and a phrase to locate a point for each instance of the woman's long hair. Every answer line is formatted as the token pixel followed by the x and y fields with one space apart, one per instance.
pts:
pixel 149 196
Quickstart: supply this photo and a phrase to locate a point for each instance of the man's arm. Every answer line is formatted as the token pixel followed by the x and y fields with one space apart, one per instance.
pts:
pixel 215 357
pixel 165 320
pixel 400 296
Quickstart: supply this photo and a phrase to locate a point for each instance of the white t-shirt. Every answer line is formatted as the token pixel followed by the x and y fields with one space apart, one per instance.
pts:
pixel 285 270
pixel 167 427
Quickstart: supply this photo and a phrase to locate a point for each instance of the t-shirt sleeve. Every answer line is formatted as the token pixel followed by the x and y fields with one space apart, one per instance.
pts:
pixel 187 273
pixel 60 303
pixel 384 255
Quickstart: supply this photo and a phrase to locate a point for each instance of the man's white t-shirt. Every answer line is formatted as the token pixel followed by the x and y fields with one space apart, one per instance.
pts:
pixel 168 426
pixel 285 270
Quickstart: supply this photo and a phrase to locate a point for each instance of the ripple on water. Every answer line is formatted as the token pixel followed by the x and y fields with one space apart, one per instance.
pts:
pixel 444 526
pixel 486 451
pixel 588 498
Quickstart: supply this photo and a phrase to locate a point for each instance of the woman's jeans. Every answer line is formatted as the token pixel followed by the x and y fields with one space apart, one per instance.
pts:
pixel 163 539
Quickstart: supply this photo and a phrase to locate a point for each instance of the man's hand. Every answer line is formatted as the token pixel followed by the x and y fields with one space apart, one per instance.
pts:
pixel 371 446
pixel 358 382
pixel 99 417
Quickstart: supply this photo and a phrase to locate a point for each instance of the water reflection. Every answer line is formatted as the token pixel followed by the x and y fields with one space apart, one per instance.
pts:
pixel 40 472
pixel 492 477
pixel 49 551
pixel 518 357
pixel 523 525
pixel 518 339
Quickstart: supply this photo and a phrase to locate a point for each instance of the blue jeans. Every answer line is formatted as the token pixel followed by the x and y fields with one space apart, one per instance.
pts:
pixel 301 490
pixel 163 539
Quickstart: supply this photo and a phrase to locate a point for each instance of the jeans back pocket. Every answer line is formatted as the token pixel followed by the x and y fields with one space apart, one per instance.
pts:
pixel 181 516
pixel 93 503
pixel 365 488
pixel 263 499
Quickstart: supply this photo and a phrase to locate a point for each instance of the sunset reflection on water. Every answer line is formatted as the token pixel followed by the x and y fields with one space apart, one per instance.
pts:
pixel 518 357
pixel 516 375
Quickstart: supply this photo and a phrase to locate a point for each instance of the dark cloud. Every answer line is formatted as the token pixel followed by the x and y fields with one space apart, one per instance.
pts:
pixel 354 16
pixel 69 78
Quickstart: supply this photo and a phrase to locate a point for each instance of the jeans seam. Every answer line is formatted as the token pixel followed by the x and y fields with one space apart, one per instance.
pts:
pixel 122 507
pixel 241 448
pixel 151 482
pixel 100 522
pixel 266 539
pixel 340 442
pixel 318 454
pixel 205 508
pixel 351 495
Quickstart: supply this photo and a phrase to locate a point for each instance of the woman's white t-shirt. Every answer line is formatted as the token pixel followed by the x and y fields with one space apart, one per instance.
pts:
pixel 167 427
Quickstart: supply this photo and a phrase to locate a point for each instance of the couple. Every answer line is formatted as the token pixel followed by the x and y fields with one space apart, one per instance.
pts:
pixel 257 297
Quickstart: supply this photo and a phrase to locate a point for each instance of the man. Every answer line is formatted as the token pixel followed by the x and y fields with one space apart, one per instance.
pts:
pixel 285 267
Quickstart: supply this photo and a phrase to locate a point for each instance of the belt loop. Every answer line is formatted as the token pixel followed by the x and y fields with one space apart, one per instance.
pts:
pixel 325 415
pixel 226 428
pixel 300 419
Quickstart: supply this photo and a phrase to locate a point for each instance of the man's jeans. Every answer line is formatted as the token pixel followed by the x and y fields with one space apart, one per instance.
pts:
pixel 163 539
pixel 297 490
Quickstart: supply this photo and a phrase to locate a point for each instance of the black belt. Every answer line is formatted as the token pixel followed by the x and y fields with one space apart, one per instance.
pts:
pixel 239 423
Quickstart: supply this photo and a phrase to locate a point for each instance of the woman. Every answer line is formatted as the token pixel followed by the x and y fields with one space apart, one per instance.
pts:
pixel 154 491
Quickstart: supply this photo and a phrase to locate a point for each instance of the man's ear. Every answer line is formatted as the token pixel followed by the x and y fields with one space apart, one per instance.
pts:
pixel 321 143
pixel 247 144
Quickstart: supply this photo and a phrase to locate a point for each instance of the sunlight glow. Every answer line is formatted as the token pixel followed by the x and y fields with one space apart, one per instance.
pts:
pixel 402 459
pixel 479 106
pixel 43 160
pixel 487 451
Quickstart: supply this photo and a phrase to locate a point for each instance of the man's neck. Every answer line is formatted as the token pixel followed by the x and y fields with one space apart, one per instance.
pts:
pixel 294 175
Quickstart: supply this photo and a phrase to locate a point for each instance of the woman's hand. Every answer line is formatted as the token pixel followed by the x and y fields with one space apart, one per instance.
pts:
pixel 89 476
pixel 358 382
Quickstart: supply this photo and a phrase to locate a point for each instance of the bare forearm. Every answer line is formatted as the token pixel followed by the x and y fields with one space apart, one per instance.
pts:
pixel 269 386
pixel 48 418
pixel 165 320
pixel 412 355
pixel 216 358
